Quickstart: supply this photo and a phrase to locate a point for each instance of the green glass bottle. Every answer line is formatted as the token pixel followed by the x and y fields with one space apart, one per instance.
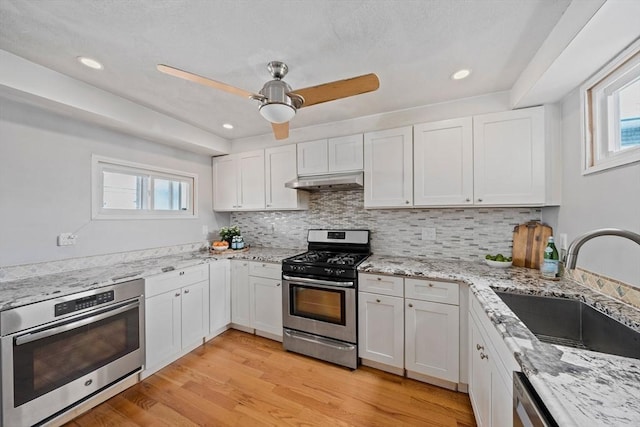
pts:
pixel 550 263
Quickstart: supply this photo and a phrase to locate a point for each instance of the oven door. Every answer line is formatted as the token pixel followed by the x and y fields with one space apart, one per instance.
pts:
pixel 320 307
pixel 49 368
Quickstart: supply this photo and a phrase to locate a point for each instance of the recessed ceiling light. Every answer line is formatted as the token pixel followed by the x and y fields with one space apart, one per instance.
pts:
pixel 90 62
pixel 227 126
pixel 461 74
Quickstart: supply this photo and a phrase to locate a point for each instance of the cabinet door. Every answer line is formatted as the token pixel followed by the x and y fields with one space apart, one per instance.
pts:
pixel 280 167
pixel 162 328
pixel 266 302
pixel 346 153
pixel 479 376
pixel 240 294
pixel 509 157
pixel 432 339
pixel 219 296
pixel 251 180
pixel 225 183
pixel 501 397
pixel 443 163
pixel 313 157
pixel 195 314
pixel 388 166
pixel 381 329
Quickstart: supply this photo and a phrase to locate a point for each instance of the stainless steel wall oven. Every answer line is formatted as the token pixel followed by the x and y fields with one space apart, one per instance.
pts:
pixel 319 297
pixel 58 352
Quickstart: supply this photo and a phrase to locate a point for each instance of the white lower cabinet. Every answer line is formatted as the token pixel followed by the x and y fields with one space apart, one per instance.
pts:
pixel 219 297
pixel 176 315
pixel 491 367
pixel 381 320
pixel 432 339
pixel 420 334
pixel 256 298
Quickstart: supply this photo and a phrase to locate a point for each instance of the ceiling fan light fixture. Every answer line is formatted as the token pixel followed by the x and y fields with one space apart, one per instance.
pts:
pixel 277 112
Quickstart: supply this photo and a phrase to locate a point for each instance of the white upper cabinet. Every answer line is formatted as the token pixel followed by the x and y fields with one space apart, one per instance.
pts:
pixel 342 154
pixel 509 157
pixel 388 168
pixel 443 163
pixel 280 167
pixel 238 181
pixel 346 153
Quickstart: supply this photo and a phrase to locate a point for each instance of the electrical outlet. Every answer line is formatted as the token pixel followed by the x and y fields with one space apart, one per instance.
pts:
pixel 67 239
pixel 563 241
pixel 429 234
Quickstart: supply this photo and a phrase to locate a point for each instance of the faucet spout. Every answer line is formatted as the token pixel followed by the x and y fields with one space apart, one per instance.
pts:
pixel 574 247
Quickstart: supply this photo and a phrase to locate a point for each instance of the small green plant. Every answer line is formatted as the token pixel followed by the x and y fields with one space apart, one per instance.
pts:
pixel 227 233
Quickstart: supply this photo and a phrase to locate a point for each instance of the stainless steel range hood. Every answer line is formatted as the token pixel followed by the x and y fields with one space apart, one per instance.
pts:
pixel 332 182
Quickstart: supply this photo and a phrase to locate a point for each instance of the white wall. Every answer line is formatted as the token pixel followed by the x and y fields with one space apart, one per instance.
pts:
pixel 607 199
pixel 45 171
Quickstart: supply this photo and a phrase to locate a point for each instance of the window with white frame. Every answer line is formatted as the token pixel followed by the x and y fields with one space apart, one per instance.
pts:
pixel 611 106
pixel 127 190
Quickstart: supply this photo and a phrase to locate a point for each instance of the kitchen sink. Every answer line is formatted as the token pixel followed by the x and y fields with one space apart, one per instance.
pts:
pixel 572 323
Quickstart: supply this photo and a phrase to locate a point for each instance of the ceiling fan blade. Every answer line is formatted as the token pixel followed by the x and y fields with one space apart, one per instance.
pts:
pixel 205 81
pixel 281 130
pixel 338 89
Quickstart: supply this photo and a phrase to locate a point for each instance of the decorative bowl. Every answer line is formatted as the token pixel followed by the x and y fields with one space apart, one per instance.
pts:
pixel 499 264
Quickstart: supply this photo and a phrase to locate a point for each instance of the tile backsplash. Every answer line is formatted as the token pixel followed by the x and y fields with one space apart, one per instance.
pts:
pixel 464 233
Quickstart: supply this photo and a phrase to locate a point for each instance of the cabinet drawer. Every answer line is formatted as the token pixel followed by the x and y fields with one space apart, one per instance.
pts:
pixel 381 284
pixel 431 290
pixel 265 269
pixel 175 279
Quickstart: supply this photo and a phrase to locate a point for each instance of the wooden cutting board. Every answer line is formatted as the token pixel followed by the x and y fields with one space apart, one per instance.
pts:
pixel 529 241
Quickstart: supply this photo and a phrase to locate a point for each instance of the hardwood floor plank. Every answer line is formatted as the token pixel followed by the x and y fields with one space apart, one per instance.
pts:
pixel 238 379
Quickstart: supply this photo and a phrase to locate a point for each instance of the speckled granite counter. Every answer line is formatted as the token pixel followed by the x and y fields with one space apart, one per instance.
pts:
pixel 39 288
pixel 579 387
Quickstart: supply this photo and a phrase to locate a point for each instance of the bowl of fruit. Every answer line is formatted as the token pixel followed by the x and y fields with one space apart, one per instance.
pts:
pixel 220 245
pixel 498 260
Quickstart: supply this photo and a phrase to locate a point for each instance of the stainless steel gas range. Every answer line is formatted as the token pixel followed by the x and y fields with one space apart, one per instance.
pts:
pixel 319 298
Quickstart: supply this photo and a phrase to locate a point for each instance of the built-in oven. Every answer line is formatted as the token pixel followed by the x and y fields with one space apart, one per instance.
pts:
pixel 57 353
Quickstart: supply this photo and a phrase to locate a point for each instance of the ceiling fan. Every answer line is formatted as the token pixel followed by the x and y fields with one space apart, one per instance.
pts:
pixel 278 102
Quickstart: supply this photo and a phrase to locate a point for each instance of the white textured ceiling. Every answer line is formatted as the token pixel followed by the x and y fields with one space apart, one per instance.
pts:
pixel 413 46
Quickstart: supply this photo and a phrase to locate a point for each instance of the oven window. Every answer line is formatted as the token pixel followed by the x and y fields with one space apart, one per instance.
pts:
pixel 319 304
pixel 50 362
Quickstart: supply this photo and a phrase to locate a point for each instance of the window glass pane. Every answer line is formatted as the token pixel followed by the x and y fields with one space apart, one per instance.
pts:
pixel 122 191
pixel 170 195
pixel 629 98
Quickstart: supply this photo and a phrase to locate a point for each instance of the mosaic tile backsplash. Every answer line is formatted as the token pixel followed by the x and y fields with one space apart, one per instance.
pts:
pixel 611 287
pixel 465 233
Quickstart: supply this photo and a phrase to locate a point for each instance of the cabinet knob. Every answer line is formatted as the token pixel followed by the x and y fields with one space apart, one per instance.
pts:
pixel 377 300
pixel 484 356
pixel 278 284
pixel 186 291
pixel 268 205
pixel 177 294
pixel 431 285
pixel 379 278
pixel 407 202
pixel 480 200
pixel 410 305
pixel 479 347
pixel 182 273
pixel 467 199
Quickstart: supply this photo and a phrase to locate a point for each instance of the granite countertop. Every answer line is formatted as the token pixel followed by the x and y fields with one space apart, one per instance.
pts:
pixel 579 387
pixel 40 288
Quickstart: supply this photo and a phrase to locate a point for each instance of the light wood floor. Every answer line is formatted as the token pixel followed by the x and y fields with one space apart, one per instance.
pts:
pixel 238 379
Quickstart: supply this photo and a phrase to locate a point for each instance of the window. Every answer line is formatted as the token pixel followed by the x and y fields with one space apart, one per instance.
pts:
pixel 611 105
pixel 126 190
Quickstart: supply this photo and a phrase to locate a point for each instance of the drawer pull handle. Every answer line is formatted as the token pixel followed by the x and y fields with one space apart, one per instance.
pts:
pixel 410 305
pixel 182 273
pixel 431 285
pixel 278 284
pixel 484 356
pixel 379 278
pixel 479 347
pixel 377 300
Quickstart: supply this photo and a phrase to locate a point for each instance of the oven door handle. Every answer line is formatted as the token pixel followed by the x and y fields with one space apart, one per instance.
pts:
pixel 319 282
pixel 33 336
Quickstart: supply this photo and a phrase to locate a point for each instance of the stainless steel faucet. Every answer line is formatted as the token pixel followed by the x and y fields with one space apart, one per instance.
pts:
pixel 574 247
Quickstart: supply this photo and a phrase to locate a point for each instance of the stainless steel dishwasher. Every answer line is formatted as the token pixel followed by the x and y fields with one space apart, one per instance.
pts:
pixel 528 408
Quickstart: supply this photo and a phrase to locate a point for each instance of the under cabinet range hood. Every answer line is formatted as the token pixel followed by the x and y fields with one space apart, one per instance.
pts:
pixel 331 182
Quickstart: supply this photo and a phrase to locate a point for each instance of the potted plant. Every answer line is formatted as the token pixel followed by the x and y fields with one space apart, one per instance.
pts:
pixel 227 233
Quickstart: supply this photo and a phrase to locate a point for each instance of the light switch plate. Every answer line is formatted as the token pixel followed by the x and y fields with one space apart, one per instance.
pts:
pixel 67 239
pixel 429 234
